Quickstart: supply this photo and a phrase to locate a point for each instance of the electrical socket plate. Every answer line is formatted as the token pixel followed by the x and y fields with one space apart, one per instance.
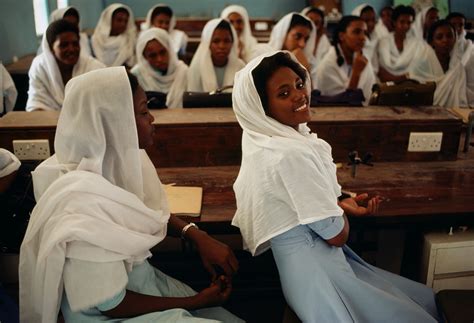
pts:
pixel 425 141
pixel 33 149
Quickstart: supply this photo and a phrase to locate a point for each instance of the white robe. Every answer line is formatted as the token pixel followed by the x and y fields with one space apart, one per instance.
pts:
pixel 269 150
pixel 201 75
pixel 46 90
pixel 97 160
pixel 9 163
pixel 114 50
pixel 9 92
pixel 175 80
pixel 394 61
pixel 380 29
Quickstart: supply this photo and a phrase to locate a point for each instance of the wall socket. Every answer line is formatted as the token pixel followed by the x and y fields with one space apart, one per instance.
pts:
pixel 425 141
pixel 34 149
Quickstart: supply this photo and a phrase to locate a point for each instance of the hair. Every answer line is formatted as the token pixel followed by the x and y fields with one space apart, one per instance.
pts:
pixel 340 28
pixel 132 79
pixel 366 9
pixel 402 10
pixel 267 67
pixel 386 8
pixel 224 24
pixel 120 10
pixel 299 20
pixel 436 25
pixel 455 15
pixel 161 10
pixel 58 27
pixel 72 12
pixel 318 11
pixel 432 9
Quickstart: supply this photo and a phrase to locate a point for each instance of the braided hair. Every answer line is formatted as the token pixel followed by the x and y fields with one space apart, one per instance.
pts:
pixel 340 28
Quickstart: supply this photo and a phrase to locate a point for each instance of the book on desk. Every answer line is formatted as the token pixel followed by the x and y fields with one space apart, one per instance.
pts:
pixel 184 200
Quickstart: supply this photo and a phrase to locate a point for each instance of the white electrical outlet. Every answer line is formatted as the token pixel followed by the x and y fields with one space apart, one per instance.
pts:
pixel 425 141
pixel 34 149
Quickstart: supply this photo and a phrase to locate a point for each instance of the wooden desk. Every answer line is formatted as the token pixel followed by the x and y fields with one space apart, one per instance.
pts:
pixel 212 136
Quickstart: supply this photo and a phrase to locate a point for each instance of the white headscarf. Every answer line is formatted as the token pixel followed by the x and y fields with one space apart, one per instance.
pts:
pixel 390 58
pixel 114 50
pixel 418 26
pixel 9 92
pixel 248 41
pixel 9 163
pixel 179 39
pixel 83 38
pixel 174 82
pixel 323 46
pixel 371 41
pixel 46 89
pixel 272 153
pixel 201 76
pixel 99 197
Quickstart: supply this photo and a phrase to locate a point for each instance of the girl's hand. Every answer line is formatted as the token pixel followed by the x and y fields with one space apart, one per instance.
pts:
pixel 359 62
pixel 301 57
pixel 356 206
pixel 216 294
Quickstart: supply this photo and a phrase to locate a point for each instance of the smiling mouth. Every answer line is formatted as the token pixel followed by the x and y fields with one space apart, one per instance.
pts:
pixel 301 108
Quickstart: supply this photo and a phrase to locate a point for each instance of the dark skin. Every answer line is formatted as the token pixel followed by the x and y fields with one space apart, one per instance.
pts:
pixel 458 24
pixel 162 21
pixel 369 17
pixel 212 251
pixel 430 18
pixel 119 23
pixel 318 21
pixel 221 45
pixel 386 16
pixel 238 23
pixel 66 50
pixel 156 55
pixel 295 42
pixel 288 100
pixel 443 43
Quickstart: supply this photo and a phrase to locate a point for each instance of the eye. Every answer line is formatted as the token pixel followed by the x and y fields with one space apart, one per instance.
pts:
pixel 300 85
pixel 283 94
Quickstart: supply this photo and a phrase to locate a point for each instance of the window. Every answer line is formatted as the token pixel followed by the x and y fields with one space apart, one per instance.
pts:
pixel 62 3
pixel 40 8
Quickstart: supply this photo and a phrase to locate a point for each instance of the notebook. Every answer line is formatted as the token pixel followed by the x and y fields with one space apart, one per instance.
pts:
pixel 184 200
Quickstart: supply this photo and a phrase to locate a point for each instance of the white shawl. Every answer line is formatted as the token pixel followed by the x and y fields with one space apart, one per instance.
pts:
pixel 248 41
pixel 390 58
pixel 83 38
pixel 99 197
pixel 46 89
pixel 9 163
pixel 286 178
pixel 380 29
pixel 464 48
pixel 371 41
pixel 114 50
pixel 201 75
pixel 418 26
pixel 174 82
pixel 9 92
pixel 179 39
pixel 450 86
pixel 332 79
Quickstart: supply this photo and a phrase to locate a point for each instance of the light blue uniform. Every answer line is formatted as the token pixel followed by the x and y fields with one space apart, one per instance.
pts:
pixel 323 283
pixel 146 279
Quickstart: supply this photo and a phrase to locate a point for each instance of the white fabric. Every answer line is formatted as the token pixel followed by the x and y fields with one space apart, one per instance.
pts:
pixel 9 92
pixel 332 79
pixel 418 26
pixel 179 39
pixel 248 41
pixel 83 38
pixel 270 153
pixel 464 48
pixel 450 86
pixel 469 66
pixel 99 197
pixel 394 61
pixel 46 90
pixel 380 29
pixel 370 41
pixel 174 82
pixel 9 163
pixel 201 77
pixel 114 50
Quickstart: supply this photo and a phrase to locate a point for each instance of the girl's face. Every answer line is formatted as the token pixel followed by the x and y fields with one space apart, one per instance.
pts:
pixel 288 98
pixel 221 45
pixel 162 21
pixel 458 24
pixel 237 21
pixel 156 55
pixel 386 16
pixel 316 19
pixel 143 119
pixel 72 19
pixel 296 37
pixel 119 23
pixel 443 40
pixel 430 18
pixel 66 48
pixel 403 24
pixel 369 17
pixel 354 36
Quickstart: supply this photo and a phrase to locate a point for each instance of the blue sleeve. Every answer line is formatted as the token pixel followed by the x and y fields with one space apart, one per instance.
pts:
pixel 329 227
pixel 112 302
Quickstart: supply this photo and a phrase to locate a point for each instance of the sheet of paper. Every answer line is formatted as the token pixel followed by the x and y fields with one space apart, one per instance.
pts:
pixel 184 200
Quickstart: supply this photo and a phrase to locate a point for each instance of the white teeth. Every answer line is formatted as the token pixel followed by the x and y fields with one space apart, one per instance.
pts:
pixel 301 108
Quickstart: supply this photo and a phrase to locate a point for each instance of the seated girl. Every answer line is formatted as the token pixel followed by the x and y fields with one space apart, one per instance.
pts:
pixel 239 18
pixel 463 47
pixel 396 52
pixel 161 16
pixel 101 207
pixel 322 44
pixel 9 92
pixel 287 200
pixel 59 61
pixel 215 62
pixel 384 25
pixel 437 62
pixel 113 41
pixel 368 15
pixel 158 68
pixel 345 67
pixel 423 21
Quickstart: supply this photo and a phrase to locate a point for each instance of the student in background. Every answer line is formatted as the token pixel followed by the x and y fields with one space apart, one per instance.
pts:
pixel 368 15
pixel 161 16
pixel 239 18
pixel 322 44
pixel 158 67
pixel 464 47
pixel 9 92
pixel 384 25
pixel 423 21
pixel 289 200
pixel 101 207
pixel 216 59
pixel 437 62
pixel 113 41
pixel 59 62
pixel 345 67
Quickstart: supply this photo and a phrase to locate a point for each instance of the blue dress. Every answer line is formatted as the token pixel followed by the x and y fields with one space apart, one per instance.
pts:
pixel 323 283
